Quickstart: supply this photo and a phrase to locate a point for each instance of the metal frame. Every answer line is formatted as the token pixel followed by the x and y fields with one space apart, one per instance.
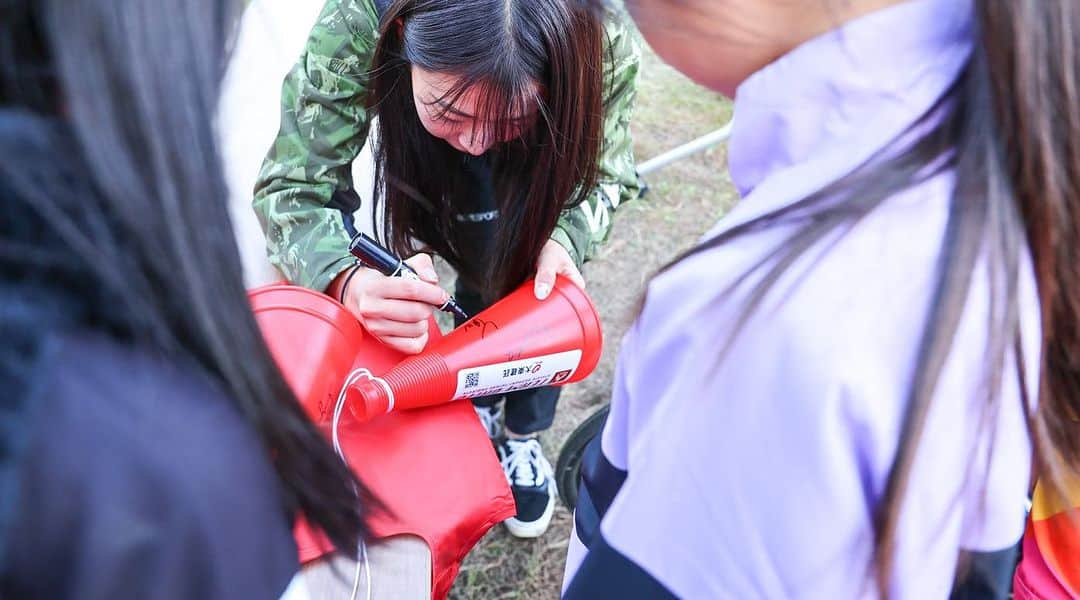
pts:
pixel 692 147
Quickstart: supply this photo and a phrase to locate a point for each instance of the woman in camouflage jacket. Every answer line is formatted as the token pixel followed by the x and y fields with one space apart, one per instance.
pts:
pixel 503 144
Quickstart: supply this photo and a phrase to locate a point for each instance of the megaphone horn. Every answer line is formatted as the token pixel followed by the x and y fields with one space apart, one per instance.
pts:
pixel 518 343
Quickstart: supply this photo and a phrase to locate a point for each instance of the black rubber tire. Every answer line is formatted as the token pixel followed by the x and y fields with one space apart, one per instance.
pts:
pixel 568 467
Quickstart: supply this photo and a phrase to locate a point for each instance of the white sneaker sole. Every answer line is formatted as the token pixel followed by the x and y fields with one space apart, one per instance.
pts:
pixel 532 529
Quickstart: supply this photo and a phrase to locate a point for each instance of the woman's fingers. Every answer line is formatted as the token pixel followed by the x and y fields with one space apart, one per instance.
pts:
pixel 389 328
pixel 398 310
pixel 408 345
pixel 424 267
pixel 401 288
pixel 554 261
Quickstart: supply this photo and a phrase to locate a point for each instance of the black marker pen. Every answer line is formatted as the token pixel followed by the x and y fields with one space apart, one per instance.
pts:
pixel 373 255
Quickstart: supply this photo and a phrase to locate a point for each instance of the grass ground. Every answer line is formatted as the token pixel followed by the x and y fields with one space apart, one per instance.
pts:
pixel 683 201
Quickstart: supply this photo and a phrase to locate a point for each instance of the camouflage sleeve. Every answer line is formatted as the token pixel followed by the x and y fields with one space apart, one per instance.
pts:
pixel 324 125
pixel 583 228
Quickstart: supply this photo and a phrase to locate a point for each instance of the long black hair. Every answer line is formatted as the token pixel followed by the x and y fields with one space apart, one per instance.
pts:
pixel 1009 128
pixel 114 216
pixel 500 49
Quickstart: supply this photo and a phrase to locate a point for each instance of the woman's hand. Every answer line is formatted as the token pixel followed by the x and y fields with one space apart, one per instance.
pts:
pixel 554 260
pixel 396 309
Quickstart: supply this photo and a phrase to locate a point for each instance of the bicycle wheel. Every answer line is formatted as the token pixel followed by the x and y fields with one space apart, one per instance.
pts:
pixel 568 466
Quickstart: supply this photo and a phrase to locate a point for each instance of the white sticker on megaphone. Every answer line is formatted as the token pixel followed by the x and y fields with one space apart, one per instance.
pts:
pixel 511 376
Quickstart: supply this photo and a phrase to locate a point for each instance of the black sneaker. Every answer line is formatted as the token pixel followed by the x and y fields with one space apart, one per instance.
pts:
pixel 532 481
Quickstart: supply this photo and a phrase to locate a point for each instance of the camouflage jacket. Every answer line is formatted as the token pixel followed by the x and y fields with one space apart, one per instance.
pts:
pixel 324 125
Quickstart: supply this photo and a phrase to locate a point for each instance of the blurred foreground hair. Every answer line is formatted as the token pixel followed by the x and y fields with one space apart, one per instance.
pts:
pixel 108 156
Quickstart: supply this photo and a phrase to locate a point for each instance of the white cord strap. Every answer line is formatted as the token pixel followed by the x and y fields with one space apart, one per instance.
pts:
pixel 389 391
pixel 362 558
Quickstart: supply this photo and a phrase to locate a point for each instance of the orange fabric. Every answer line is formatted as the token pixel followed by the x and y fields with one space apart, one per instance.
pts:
pixel 1034 580
pixel 1050 568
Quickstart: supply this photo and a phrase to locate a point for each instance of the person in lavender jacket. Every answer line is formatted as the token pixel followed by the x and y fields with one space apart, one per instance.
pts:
pixel 837 393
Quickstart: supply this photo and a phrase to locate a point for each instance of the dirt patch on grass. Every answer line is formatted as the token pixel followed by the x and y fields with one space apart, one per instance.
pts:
pixel 683 201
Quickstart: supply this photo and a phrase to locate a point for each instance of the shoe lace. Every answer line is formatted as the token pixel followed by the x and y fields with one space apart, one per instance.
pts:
pixel 489 418
pixel 524 463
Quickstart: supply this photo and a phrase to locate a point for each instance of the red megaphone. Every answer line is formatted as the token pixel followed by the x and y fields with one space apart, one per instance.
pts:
pixel 315 342
pixel 518 343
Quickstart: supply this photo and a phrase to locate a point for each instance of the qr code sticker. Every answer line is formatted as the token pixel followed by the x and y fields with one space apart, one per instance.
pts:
pixel 472 380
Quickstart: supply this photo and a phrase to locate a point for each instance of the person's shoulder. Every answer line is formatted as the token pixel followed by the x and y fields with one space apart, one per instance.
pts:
pixel 165 415
pixel 130 408
pixel 847 308
pixel 356 20
pixel 621 39
pixel 132 455
pixel 858 297
pixel 108 385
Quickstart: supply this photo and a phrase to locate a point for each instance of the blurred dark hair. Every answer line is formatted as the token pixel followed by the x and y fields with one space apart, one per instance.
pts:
pixel 115 219
pixel 499 49
pixel 1010 130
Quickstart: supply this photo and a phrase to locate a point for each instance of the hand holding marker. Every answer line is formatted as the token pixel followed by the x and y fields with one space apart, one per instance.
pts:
pixel 373 255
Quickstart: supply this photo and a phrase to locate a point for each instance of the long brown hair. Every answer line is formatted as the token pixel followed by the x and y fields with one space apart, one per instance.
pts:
pixel 1010 130
pixel 499 49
